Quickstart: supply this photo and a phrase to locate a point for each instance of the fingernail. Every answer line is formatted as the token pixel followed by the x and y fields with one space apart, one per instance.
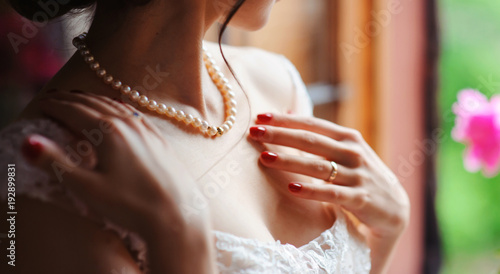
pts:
pixel 269 156
pixel 257 131
pixel 294 187
pixel 266 117
pixel 31 148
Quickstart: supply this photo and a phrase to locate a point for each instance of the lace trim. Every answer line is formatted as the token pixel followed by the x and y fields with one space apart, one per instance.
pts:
pixel 334 251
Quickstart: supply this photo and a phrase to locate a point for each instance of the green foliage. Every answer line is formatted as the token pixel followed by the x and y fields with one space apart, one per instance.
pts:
pixel 468 205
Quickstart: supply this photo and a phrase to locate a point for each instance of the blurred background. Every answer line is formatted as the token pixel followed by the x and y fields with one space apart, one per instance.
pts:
pixel 389 68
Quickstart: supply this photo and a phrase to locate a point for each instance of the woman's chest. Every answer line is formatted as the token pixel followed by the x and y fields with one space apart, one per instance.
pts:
pixel 244 197
pixel 250 200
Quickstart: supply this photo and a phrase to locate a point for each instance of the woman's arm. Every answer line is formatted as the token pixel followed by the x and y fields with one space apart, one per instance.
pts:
pixel 382 250
pixel 50 239
pixel 136 183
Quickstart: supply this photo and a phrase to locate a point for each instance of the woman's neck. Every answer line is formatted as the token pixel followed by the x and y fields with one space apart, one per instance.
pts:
pixel 155 48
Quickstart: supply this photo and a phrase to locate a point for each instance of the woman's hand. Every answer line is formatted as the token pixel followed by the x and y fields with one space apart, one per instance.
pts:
pixel 364 185
pixel 136 182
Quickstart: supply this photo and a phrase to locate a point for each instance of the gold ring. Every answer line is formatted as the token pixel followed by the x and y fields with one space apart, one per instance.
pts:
pixel 333 174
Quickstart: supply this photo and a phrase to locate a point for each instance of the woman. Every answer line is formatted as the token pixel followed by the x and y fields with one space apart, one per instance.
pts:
pixel 266 192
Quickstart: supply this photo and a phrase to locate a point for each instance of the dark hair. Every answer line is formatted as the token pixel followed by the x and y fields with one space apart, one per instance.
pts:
pixel 30 8
pixel 57 8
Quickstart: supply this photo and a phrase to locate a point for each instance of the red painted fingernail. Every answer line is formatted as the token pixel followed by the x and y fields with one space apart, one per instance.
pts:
pixel 269 156
pixel 294 187
pixel 257 131
pixel 266 117
pixel 31 148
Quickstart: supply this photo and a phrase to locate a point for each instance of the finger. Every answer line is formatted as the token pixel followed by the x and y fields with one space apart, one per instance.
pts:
pixel 50 157
pixel 102 104
pixel 313 124
pixel 147 122
pixel 317 168
pixel 107 106
pixel 86 123
pixel 341 195
pixel 306 141
pixel 76 116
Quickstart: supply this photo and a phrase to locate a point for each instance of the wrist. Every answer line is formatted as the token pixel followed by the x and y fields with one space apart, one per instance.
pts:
pixel 392 228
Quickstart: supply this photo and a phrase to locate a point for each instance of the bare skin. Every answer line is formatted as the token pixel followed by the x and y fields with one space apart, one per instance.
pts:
pixel 252 198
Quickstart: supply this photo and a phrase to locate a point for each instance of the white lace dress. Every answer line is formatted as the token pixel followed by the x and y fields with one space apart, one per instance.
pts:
pixel 334 251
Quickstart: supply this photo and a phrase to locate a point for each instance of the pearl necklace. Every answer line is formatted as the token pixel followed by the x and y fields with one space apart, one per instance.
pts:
pixel 213 70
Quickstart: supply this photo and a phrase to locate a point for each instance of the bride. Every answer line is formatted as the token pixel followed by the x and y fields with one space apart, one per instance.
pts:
pixel 141 156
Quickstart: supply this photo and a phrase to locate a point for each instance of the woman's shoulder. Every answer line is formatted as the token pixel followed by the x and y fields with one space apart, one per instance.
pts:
pixel 261 64
pixel 29 180
pixel 273 74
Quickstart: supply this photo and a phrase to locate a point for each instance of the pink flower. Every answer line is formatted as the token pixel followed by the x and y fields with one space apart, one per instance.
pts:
pixel 478 126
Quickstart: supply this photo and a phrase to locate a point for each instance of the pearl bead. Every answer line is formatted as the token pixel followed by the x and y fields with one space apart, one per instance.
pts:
pixel 211 130
pixel 209 62
pixel 143 100
pixel 134 95
pixel 232 111
pixel 89 59
pixel 231 119
pixel 125 89
pixel 101 72
pixel 76 42
pixel 189 119
pixel 220 84
pixel 219 75
pixel 180 115
pixel 197 122
pixel 232 103
pixel 152 105
pixel 161 109
pixel 204 125
pixel 226 88
pixel 212 71
pixel 225 127
pixel 221 80
pixel 171 111
pixel 108 79
pixel 116 84
pixel 94 66
pixel 229 124
pixel 231 94
pixel 84 52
